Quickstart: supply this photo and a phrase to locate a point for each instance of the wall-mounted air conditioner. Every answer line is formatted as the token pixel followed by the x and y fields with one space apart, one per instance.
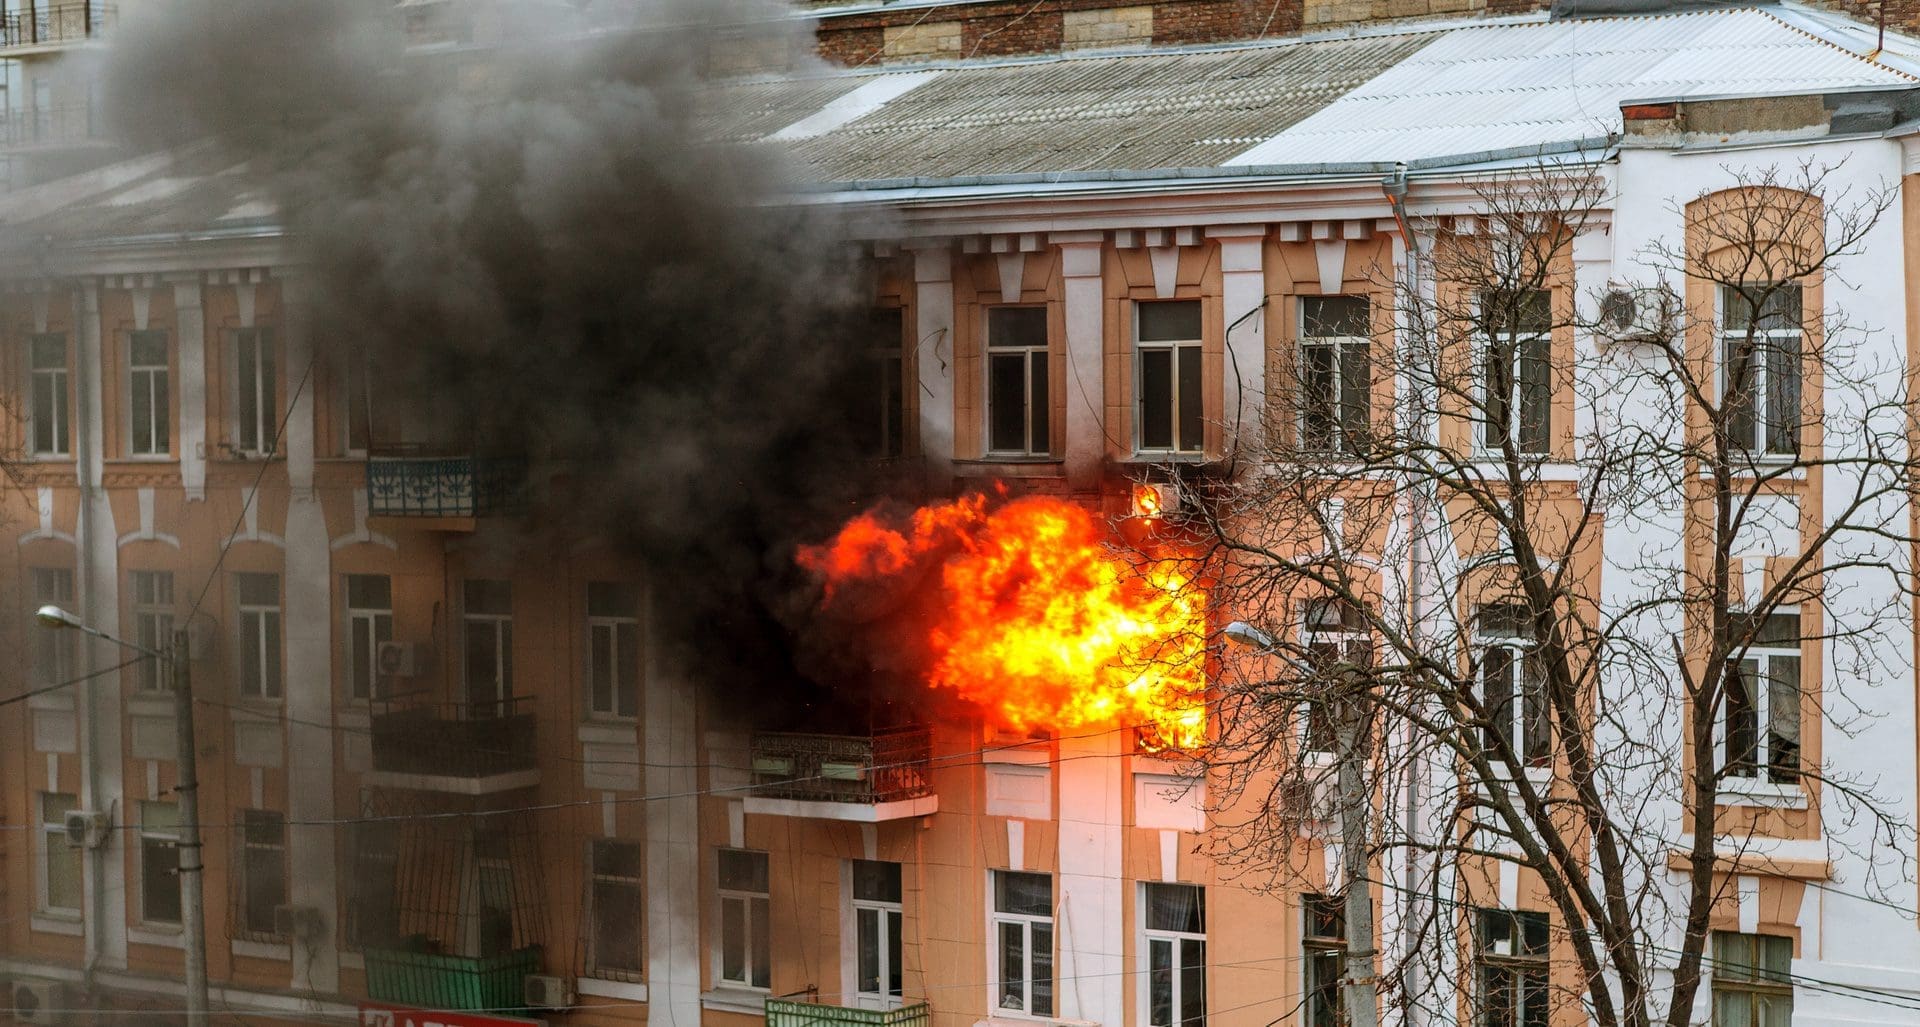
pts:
pixel 1638 313
pixel 87 828
pixel 543 992
pixel 42 1002
pixel 403 659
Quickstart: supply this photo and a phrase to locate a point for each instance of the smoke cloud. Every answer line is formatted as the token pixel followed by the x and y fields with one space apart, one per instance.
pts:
pixel 541 251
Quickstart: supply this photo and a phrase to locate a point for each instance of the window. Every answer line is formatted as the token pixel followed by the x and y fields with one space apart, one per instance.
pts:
pixel 1336 373
pixel 1336 637
pixel 1022 942
pixel 489 904
pixel 47 410
pixel 152 624
pixel 263 870
pixel 59 860
pixel 1323 935
pixel 1512 962
pixel 883 430
pixel 613 648
pixel 374 913
pixel 363 414
pixel 614 947
pixel 876 928
pixel 369 623
pixel 52 650
pixel 1762 727
pixel 159 863
pixel 1168 409
pixel 255 399
pixel 1512 684
pixel 1018 398
pixel 259 635
pixel 745 950
pixel 1760 354
pixel 1176 919
pixel 1752 983
pixel 1517 369
pixel 148 418
pixel 488 624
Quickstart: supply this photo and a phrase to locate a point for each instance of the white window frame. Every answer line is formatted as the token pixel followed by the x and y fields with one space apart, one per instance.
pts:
pixel 889 920
pixel 261 389
pixel 262 637
pixel 501 626
pixel 1516 402
pixel 1315 945
pixel 1354 644
pixel 1339 346
pixel 55 382
pixel 1764 659
pixel 1517 962
pixel 1757 448
pixel 371 625
pixel 356 401
pixel 53 651
pixel 1520 651
pixel 636 881
pixel 155 382
pixel 54 831
pixel 623 666
pixel 1176 350
pixel 1025 923
pixel 1175 940
pixel 1027 354
pixel 153 619
pixel 249 851
pixel 153 836
pixel 756 909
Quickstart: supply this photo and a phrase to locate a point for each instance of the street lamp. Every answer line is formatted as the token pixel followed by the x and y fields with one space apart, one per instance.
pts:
pixel 1362 997
pixel 192 889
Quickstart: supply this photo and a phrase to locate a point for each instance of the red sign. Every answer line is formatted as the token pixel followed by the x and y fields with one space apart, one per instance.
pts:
pixel 401 1016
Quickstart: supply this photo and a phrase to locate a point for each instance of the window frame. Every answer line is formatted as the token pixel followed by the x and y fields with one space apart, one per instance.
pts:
pixel 1025 923
pixel 756 912
pixel 371 624
pixel 888 367
pixel 248 923
pixel 1031 356
pixel 1177 942
pixel 55 654
pixel 1525 687
pixel 1354 643
pixel 153 838
pixel 637 884
pixel 153 620
pixel 262 390
pixel 1340 406
pixel 630 666
pixel 59 392
pixel 263 637
pixel 889 921
pixel 1759 405
pixel 1531 970
pixel 1177 350
pixel 1316 945
pixel 1763 983
pixel 501 626
pixel 1764 655
pixel 158 385
pixel 1484 440
pixel 53 831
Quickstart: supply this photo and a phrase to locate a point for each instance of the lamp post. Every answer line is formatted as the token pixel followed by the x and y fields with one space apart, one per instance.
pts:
pixel 1360 988
pixel 192 890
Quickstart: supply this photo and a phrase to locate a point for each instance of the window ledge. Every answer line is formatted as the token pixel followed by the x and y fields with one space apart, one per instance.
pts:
pixel 599 988
pixel 276 950
pixel 1761 795
pixel 58 923
pixel 164 935
pixel 144 458
pixel 1011 467
pixel 1152 457
pixel 610 732
pixel 751 1001
pixel 151 704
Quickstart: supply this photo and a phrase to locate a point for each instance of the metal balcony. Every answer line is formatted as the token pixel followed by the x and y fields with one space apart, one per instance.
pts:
pixel 431 980
pixel 55 25
pixel 468 748
pixel 44 127
pixel 784 1013
pixel 443 486
pixel 866 778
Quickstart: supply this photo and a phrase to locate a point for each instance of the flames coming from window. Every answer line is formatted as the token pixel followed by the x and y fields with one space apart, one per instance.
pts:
pixel 1038 619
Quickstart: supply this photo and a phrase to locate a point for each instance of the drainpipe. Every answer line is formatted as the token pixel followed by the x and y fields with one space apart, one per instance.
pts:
pixel 87 477
pixel 1395 188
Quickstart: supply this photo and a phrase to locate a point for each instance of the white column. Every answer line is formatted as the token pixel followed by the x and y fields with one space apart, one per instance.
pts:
pixel 190 321
pixel 1243 286
pixel 933 355
pixel 1080 254
pixel 673 846
pixel 298 444
pixel 1090 924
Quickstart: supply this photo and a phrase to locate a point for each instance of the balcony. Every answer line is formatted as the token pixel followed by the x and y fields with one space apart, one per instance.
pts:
pixel 783 1013
pixel 454 489
pixel 863 778
pixel 464 748
pixel 48 127
pixel 430 980
pixel 56 25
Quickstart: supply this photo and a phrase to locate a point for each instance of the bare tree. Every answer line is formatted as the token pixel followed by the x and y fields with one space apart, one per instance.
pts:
pixel 1574 584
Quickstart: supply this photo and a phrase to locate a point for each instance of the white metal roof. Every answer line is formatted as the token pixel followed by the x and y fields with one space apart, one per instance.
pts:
pixel 1498 87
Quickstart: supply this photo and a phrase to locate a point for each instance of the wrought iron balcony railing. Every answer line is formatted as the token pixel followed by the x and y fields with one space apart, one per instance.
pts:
pixel 784 1013
pixel 889 766
pixel 453 740
pixel 443 486
pixel 44 126
pixel 57 23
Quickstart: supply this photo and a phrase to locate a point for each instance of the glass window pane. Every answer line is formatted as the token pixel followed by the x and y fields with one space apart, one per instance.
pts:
pixel 1039 404
pixel 600 667
pixel 1322 316
pixel 1160 982
pixel 1007 403
pixel 867 950
pixel 1742 717
pixel 741 870
pixel 149 349
pixel 1782 391
pixel 1156 399
pixel 1170 321
pixel 1016 326
pixel 616 859
pixel 876 880
pixel 1783 717
pixel 733 939
pixel 626 671
pixel 1013 965
pixel 369 592
pixel 1192 407
pixel 1536 395
pixel 893 955
pixel 762 942
pixel 1738 373
pixel 489 597
pixel 1193 982
pixel 1176 907
pixel 612 599
pixel 1042 969
pixel 1023 893
pixel 616 926
pixel 1317 396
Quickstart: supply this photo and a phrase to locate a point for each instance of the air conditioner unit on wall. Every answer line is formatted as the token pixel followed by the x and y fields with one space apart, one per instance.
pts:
pixel 87 828
pixel 1638 313
pixel 543 992
pixel 299 923
pixel 403 659
pixel 39 1001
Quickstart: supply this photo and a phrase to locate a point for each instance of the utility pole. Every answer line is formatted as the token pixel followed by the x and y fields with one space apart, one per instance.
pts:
pixel 193 905
pixel 1361 992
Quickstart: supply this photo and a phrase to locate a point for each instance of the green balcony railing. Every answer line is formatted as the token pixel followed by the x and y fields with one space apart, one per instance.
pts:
pixel 784 1013
pixel 430 980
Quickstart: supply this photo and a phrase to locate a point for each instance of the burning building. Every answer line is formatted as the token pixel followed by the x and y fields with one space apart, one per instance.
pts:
pixel 590 620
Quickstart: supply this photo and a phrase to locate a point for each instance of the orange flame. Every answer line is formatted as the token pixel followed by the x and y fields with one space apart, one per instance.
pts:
pixel 1039 622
